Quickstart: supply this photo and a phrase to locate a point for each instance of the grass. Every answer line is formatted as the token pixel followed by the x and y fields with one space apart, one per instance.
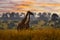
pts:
pixel 38 34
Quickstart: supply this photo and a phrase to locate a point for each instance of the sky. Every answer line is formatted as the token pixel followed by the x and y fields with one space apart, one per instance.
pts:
pixel 32 5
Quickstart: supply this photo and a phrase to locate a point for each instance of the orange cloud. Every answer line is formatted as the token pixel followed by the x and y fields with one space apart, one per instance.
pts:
pixel 33 6
pixel 48 4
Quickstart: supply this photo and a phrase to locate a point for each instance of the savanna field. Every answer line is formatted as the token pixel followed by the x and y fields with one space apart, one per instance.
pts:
pixel 38 34
pixel 45 29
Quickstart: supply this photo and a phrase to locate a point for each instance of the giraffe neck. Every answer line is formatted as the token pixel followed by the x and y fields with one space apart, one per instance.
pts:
pixel 23 21
pixel 28 20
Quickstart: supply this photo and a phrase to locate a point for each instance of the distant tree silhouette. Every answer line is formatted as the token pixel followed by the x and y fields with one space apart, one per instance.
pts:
pixel 22 14
pixel 12 14
pixel 54 17
pixel 4 17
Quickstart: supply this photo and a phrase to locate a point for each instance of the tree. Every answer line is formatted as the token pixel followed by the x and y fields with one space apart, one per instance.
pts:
pixel 54 18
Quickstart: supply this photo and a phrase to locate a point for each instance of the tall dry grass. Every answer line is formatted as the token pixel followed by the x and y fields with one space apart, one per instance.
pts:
pixel 38 34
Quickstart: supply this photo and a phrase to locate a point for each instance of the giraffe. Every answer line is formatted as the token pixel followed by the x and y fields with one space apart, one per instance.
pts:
pixel 25 22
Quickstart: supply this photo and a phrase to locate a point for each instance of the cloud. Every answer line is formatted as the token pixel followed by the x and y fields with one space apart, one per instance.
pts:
pixel 47 1
pixel 33 5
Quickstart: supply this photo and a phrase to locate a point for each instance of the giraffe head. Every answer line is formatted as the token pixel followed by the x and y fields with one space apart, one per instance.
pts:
pixel 30 13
